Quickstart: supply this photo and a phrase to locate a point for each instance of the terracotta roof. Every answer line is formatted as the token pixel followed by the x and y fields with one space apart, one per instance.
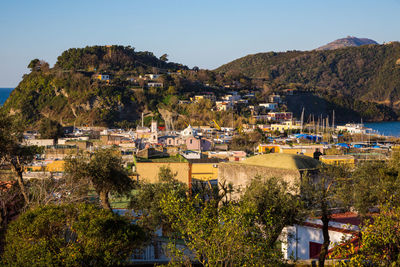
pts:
pixel 5 186
pixel 347 218
pixel 330 228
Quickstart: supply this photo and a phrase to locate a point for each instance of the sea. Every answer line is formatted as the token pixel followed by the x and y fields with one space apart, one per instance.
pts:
pixel 4 93
pixel 388 128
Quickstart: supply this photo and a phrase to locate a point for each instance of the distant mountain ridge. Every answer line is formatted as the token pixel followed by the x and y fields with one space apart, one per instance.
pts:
pixel 347 42
pixel 354 76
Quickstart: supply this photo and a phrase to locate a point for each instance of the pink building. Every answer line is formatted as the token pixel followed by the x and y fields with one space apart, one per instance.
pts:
pixel 280 116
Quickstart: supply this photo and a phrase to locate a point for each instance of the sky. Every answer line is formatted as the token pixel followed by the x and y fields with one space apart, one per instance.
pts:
pixel 203 33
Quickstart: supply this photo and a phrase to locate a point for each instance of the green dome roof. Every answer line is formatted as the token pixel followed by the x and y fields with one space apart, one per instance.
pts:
pixel 283 161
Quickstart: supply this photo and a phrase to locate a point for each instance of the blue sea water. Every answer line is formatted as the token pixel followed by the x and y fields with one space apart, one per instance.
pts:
pixel 4 93
pixel 389 128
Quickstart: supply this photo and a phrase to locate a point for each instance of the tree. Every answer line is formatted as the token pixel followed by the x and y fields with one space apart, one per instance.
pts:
pixel 34 64
pixel 70 235
pixel 50 129
pixel 322 193
pixel 12 150
pixel 217 237
pixel 104 171
pixel 373 184
pixel 146 202
pixel 275 206
pixel 164 58
pixel 378 243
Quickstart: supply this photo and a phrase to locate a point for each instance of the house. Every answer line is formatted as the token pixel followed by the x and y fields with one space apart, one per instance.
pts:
pixel 103 77
pixel 355 128
pixel 148 171
pixel 338 159
pixel 198 143
pixel 172 140
pixel 269 148
pixel 275 99
pixel 285 126
pixel 223 105
pixel 204 169
pixel 153 76
pixel 197 98
pixel 155 84
pixel 39 142
pixel 304 241
pixel 280 116
pixel 232 97
pixel 269 106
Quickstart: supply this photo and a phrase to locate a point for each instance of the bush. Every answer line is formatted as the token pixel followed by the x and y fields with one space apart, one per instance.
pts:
pixel 70 235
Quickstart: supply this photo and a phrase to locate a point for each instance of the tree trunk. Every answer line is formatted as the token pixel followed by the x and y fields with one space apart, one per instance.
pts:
pixel 104 200
pixel 19 170
pixel 325 232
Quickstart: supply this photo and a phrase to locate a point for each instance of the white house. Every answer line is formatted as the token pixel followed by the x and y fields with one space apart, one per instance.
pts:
pixel 154 84
pixel 269 106
pixel 305 241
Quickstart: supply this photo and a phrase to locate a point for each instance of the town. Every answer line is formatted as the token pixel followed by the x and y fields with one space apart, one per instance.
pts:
pixel 214 155
pixel 199 133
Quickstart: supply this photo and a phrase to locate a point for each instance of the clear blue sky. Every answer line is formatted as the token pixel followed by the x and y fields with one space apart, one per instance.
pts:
pixel 204 33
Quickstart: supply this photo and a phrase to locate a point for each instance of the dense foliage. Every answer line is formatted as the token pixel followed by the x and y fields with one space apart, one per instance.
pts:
pixel 103 171
pixel 366 73
pixel 70 235
pixel 111 58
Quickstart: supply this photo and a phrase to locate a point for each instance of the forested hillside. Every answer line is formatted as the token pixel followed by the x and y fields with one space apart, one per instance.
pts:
pixel 368 73
pixel 70 93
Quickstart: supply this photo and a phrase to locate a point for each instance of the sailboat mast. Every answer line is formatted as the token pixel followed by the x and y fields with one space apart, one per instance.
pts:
pixel 302 118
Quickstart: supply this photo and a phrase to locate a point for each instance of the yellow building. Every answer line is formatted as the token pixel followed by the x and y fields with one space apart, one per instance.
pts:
pixel 284 126
pixel 56 166
pixel 103 77
pixel 302 150
pixel 148 171
pixel 205 171
pixel 269 148
pixel 337 159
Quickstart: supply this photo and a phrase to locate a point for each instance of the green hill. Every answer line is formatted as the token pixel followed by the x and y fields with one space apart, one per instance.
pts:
pixel 366 73
pixel 70 93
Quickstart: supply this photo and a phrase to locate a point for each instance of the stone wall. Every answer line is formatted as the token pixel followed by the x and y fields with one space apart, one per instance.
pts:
pixel 240 175
pixel 148 171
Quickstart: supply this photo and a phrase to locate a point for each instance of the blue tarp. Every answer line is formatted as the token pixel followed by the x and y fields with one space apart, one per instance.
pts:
pixel 308 136
pixel 343 145
pixel 358 146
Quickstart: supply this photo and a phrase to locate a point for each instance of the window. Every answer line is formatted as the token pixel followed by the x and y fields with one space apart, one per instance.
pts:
pixel 191 141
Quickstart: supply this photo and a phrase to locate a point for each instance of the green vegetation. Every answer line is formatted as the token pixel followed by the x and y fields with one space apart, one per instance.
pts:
pixel 103 171
pixel 356 82
pixel 347 77
pixel 70 93
pixel 70 235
